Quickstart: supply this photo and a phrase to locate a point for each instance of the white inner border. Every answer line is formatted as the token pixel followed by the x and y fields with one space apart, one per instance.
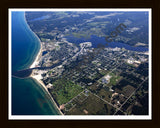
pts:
pixel 59 117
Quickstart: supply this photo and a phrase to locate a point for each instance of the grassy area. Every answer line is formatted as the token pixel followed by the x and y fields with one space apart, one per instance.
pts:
pixel 92 105
pixel 93 28
pixel 43 39
pixel 50 72
pixel 98 23
pixel 103 72
pixel 57 47
pixel 125 87
pixel 114 79
pixel 81 35
pixel 64 90
pixel 105 94
pixel 132 65
pixel 127 90
pixel 61 14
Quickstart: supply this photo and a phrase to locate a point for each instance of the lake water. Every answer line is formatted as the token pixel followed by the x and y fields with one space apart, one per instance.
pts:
pixel 28 97
pixel 101 40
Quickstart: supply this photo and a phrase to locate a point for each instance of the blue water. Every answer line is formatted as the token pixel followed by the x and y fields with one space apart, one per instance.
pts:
pixel 43 53
pixel 24 43
pixel 101 40
pixel 28 97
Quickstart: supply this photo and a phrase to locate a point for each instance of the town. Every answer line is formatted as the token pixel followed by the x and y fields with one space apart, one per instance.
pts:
pixel 89 77
pixel 110 77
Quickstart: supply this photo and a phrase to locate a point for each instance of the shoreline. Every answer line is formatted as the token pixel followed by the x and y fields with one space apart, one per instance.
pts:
pixel 36 61
pixel 43 85
pixel 34 64
pixel 40 50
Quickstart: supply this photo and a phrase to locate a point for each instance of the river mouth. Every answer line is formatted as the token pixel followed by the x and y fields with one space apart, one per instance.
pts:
pixel 96 41
pixel 22 73
pixel 27 93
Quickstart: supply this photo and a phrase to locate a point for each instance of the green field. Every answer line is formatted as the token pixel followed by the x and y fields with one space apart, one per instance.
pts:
pixel 114 79
pixel 91 105
pixel 64 90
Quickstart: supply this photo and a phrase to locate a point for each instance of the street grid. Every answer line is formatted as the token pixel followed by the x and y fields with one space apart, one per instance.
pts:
pixel 117 108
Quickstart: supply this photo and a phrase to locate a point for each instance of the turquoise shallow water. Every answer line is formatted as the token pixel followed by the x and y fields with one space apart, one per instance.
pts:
pixel 28 97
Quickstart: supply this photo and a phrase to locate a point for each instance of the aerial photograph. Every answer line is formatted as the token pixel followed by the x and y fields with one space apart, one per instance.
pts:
pixel 79 62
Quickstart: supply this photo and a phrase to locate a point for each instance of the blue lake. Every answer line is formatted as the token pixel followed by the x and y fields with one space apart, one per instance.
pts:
pixel 101 40
pixel 28 97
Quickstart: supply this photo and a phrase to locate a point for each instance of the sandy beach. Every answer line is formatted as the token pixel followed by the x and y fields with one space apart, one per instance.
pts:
pixel 36 61
pixel 40 51
pixel 38 79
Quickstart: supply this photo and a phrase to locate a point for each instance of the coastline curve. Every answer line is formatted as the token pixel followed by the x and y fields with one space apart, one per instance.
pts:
pixel 33 65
